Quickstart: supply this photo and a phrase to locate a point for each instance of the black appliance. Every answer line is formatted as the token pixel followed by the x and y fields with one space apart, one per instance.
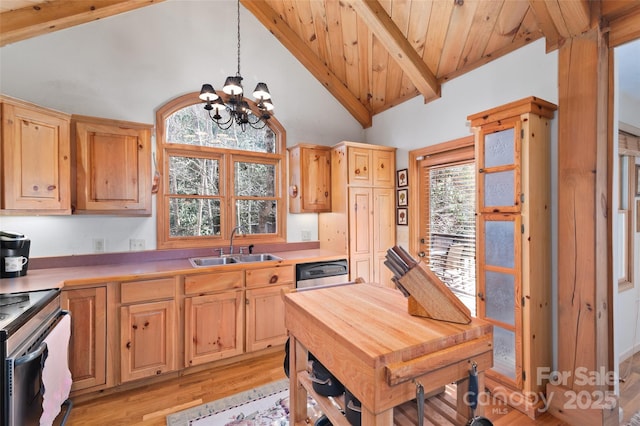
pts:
pixel 13 244
pixel 26 319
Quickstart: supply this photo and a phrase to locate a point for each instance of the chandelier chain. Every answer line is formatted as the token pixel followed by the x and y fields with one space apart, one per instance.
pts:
pixel 238 13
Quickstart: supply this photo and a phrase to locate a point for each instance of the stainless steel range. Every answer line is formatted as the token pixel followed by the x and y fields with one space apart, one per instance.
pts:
pixel 26 319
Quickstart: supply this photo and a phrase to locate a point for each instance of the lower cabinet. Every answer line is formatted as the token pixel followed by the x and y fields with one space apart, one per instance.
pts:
pixel 265 307
pixel 265 317
pixel 131 330
pixel 148 329
pixel 213 316
pixel 88 344
pixel 213 327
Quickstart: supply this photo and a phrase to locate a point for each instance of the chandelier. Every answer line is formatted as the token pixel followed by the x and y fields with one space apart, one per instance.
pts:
pixel 238 108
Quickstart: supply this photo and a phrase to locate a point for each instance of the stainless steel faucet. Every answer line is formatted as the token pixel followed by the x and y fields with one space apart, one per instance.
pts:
pixel 233 233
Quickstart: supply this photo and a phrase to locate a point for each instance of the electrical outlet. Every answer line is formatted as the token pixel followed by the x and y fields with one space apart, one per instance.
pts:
pixel 136 245
pixel 306 235
pixel 98 245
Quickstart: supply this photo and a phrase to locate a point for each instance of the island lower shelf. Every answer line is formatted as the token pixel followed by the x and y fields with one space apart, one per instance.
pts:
pixel 440 408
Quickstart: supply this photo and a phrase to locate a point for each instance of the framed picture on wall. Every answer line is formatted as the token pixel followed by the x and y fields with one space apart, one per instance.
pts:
pixel 403 178
pixel 403 197
pixel 401 216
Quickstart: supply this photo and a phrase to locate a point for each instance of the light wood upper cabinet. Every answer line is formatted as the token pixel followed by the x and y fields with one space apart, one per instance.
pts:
pixel 309 178
pixel 36 159
pixel 113 161
pixel 88 345
pixel 384 162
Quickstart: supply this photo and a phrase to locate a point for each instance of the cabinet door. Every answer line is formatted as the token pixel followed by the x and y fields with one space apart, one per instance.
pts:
pixel 359 166
pixel 384 233
pixel 113 166
pixel 384 172
pixel 498 159
pixel 265 317
pixel 36 160
pixel 213 327
pixel 500 293
pixel 361 234
pixel 148 339
pixel 88 344
pixel 310 179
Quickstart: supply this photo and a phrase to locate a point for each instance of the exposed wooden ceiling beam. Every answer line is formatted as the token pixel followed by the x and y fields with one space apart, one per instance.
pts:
pixel 50 16
pixel 388 33
pixel 625 28
pixel 289 39
pixel 561 19
pixel 546 24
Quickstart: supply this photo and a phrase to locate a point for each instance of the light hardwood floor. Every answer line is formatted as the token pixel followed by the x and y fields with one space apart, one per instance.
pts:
pixel 149 405
pixel 630 387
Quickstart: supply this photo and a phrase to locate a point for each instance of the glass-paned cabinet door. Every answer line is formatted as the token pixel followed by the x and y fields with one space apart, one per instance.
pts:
pixel 498 159
pixel 499 290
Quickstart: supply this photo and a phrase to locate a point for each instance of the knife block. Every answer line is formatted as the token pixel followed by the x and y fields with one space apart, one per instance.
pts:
pixel 431 298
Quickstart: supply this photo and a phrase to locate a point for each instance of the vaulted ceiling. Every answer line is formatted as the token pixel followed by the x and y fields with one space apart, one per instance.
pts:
pixel 370 54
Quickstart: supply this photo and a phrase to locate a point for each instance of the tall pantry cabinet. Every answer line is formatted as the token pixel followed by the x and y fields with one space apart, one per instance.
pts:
pixel 514 244
pixel 362 218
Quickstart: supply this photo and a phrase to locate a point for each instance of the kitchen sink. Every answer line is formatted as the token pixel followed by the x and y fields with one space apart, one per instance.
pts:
pixel 263 257
pixel 199 262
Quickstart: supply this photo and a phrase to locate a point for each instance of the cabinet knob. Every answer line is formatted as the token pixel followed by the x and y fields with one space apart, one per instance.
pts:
pixel 293 191
pixel 273 279
pixel 128 345
pixel 51 187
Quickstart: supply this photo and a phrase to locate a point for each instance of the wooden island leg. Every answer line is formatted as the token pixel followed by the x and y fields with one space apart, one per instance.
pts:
pixel 382 419
pixel 297 393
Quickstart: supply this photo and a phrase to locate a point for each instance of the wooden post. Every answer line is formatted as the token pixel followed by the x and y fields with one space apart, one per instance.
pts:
pixel 584 276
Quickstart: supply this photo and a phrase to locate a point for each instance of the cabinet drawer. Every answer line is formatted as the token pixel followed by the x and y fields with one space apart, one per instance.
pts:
pixel 196 284
pixel 269 276
pixel 139 291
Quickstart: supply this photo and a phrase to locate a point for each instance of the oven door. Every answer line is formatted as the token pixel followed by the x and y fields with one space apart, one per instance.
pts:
pixel 26 387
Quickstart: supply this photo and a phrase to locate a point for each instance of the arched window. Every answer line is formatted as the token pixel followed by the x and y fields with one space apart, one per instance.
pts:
pixel 214 180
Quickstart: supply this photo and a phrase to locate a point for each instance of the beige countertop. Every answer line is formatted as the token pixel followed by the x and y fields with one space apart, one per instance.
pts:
pixel 40 279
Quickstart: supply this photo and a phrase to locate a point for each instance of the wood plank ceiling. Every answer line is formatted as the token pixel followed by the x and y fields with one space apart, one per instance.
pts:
pixel 371 55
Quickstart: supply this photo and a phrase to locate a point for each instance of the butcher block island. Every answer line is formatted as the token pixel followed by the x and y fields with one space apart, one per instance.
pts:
pixel 364 335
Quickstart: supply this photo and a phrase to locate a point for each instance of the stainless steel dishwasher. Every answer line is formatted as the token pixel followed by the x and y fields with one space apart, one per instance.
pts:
pixel 321 274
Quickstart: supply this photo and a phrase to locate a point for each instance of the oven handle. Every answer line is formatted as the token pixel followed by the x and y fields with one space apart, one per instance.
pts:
pixel 31 355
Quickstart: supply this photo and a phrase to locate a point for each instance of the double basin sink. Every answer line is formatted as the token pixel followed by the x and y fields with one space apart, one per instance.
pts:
pixel 199 262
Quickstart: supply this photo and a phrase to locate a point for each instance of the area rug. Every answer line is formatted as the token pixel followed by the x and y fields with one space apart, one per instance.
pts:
pixel 265 405
pixel 635 420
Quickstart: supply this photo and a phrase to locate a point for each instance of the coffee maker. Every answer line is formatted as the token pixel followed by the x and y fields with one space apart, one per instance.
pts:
pixel 14 254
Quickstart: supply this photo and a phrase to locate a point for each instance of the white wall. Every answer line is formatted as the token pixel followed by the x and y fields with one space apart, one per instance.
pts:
pixel 126 66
